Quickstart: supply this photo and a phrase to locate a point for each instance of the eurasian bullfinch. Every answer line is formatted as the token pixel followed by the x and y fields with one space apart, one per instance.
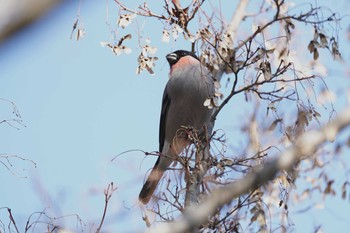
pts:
pixel 188 87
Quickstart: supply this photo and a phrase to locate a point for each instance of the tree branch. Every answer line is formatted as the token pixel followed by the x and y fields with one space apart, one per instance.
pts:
pixel 14 15
pixel 231 33
pixel 144 11
pixel 236 20
pixel 304 146
pixel 108 194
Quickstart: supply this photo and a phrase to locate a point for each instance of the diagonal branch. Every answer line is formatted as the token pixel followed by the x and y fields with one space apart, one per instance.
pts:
pixel 304 146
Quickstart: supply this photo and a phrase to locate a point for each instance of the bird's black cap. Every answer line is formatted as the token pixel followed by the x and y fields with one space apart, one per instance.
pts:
pixel 175 56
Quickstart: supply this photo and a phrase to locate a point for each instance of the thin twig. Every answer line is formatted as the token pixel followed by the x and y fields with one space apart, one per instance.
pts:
pixel 12 220
pixel 304 146
pixel 108 194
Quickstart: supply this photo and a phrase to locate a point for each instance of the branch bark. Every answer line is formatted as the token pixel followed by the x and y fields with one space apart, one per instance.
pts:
pixel 15 15
pixel 231 33
pixel 304 147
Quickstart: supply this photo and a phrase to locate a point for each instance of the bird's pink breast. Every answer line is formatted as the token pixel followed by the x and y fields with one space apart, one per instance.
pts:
pixel 183 62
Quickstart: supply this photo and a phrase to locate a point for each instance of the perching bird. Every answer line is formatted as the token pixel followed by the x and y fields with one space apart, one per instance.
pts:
pixel 189 85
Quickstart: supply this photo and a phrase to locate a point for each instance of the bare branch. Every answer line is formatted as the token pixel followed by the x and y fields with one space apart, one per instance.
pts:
pixel 236 20
pixel 7 161
pixel 12 220
pixel 14 16
pixel 231 33
pixel 108 194
pixel 144 11
pixel 304 146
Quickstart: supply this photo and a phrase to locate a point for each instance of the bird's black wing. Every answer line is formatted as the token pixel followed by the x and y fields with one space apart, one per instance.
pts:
pixel 163 116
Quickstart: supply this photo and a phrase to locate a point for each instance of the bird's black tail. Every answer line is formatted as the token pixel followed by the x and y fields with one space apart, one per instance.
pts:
pixel 153 179
pixel 150 186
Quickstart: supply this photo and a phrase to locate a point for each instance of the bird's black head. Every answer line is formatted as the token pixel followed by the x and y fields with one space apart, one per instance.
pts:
pixel 177 55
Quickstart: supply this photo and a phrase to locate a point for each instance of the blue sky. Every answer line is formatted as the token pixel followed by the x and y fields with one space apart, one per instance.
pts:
pixel 81 106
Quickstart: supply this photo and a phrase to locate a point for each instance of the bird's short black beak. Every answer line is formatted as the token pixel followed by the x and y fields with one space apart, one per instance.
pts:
pixel 172 58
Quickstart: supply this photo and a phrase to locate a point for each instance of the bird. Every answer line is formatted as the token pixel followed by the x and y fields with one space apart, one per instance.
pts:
pixel 189 86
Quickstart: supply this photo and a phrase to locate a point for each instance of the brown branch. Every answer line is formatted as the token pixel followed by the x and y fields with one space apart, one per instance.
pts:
pixel 278 6
pixel 12 220
pixel 5 160
pixel 232 28
pixel 196 8
pixel 256 84
pixel 167 7
pixel 301 18
pixel 147 12
pixel 240 205
pixel 108 194
pixel 304 146
pixel 236 20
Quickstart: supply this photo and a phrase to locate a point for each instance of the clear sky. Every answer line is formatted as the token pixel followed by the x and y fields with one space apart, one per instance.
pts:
pixel 82 105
